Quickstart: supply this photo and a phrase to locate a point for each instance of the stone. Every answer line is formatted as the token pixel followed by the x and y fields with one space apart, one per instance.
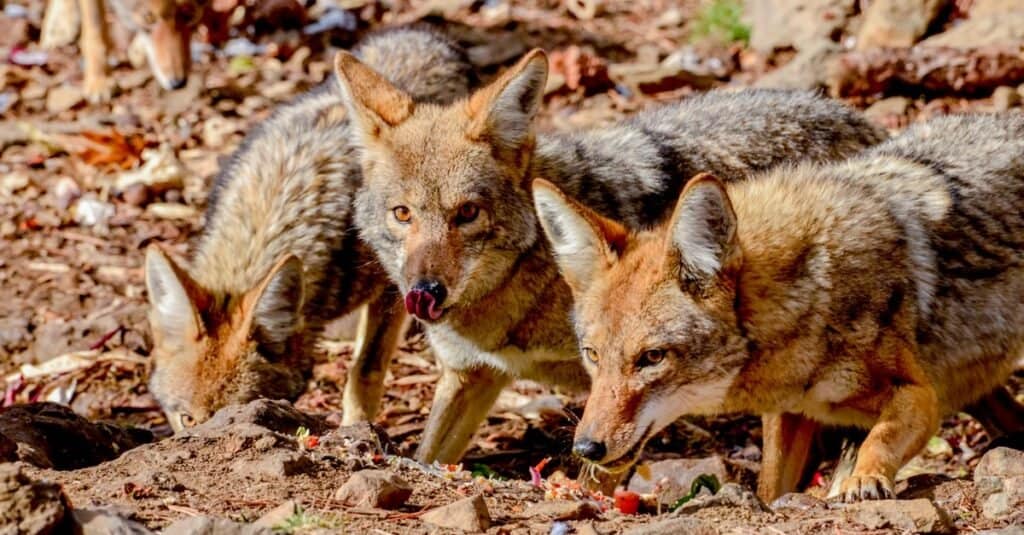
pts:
pixel 208 525
pixel 807 70
pixel 63 97
pixel 1009 530
pixel 30 506
pixel 278 515
pixel 797 501
pixel 360 440
pixel 673 526
pixel 1006 29
pixel 674 477
pixel 1004 98
pixel 49 435
pixel 909 516
pixel 276 464
pixel 896 23
pixel 1000 462
pixel 105 522
pixel 563 510
pixel 999 497
pixel 469 514
pixel 275 415
pixel 730 495
pixel 374 488
pixel 887 107
pixel 777 24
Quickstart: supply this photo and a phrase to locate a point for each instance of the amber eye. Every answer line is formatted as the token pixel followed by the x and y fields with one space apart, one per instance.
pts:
pixel 187 420
pixel 468 213
pixel 402 214
pixel 149 18
pixel 651 357
pixel 590 354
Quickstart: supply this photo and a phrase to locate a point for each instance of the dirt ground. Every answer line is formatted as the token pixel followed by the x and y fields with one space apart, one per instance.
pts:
pixel 73 225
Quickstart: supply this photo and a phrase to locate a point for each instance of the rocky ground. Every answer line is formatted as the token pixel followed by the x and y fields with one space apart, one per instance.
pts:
pixel 83 189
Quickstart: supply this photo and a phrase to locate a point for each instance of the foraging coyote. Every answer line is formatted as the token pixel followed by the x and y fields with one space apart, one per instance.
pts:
pixel 279 257
pixel 881 292
pixel 447 207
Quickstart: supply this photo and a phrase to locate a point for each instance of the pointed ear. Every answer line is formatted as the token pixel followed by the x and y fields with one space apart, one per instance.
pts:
pixel 584 243
pixel 503 112
pixel 374 103
pixel 276 305
pixel 702 240
pixel 174 299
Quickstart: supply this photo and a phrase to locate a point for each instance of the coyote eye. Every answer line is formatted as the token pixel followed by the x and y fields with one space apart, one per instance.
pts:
pixel 590 354
pixel 651 357
pixel 187 420
pixel 149 18
pixel 467 213
pixel 402 214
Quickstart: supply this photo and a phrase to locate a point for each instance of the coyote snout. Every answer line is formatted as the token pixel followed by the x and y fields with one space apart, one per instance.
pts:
pixel 424 300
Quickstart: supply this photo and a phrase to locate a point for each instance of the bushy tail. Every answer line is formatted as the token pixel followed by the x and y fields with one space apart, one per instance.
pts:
pixel 420 61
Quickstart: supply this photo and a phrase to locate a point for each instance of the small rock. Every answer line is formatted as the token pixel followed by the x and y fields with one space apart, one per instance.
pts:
pixel 469 514
pixel 1004 98
pixel 29 506
pixel 206 525
pixel 374 488
pixel 1005 29
pixel 807 70
pixel 798 501
pixel 563 510
pixel 586 528
pixel 896 23
pixel 999 497
pixel 673 526
pixel 1009 530
pixel 136 195
pixel 216 130
pixel 674 477
pixel 361 440
pixel 887 107
pixel 66 191
pixel 730 495
pixel 63 97
pixel 778 24
pixel 275 415
pixel 1000 462
pixel 90 212
pixel 281 463
pixel 13 182
pixel 278 515
pixel 914 516
pixel 105 522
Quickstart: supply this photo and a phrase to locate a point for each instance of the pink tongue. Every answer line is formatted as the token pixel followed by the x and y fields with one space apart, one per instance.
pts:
pixel 433 311
pixel 422 305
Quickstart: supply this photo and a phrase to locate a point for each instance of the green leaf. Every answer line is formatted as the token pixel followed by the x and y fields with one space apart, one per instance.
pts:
pixel 704 481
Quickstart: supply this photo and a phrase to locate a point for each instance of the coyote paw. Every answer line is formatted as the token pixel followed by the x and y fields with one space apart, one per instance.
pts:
pixel 866 487
pixel 98 90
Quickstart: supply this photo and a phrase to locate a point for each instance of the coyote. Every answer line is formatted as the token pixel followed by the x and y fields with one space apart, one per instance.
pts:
pixel 279 257
pixel 882 292
pixel 446 205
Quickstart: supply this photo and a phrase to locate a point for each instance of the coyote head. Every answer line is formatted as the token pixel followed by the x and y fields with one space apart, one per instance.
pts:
pixel 654 314
pixel 210 351
pixel 445 204
pixel 167 27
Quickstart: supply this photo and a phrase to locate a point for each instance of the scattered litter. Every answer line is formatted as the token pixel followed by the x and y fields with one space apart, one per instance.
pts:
pixel 90 212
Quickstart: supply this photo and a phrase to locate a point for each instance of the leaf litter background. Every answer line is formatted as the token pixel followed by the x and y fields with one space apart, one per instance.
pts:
pixel 84 188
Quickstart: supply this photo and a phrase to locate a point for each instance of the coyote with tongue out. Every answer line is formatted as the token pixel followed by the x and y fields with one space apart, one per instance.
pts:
pixel 446 207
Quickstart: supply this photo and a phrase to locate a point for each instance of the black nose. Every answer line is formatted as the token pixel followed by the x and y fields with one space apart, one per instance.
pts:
pixel 589 449
pixel 434 288
pixel 177 83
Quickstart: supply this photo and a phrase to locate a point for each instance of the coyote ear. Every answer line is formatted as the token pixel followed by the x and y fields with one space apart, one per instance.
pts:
pixel 276 305
pixel 503 112
pixel 172 298
pixel 702 232
pixel 373 102
pixel 584 243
